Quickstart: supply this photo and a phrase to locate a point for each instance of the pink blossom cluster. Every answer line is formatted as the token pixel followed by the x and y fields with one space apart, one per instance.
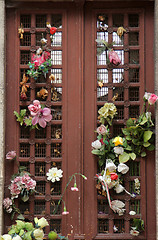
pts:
pixel 39 59
pixel 7 203
pixel 20 183
pixel 40 116
pixel 151 98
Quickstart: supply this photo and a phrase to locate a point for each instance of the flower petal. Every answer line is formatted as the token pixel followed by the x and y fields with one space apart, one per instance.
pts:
pixel 35 120
pixel 48 118
pixel 46 111
pixel 42 122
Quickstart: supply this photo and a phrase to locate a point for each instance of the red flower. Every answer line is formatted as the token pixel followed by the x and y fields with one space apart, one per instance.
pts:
pixel 114 176
pixel 101 140
pixel 53 30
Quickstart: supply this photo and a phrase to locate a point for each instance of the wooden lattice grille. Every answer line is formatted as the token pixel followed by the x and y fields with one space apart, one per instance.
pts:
pixel 39 150
pixel 126 83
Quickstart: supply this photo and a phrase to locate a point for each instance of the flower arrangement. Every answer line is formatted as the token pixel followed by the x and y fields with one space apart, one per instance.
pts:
pixel 39 115
pixel 137 138
pixel 27 231
pixel 21 186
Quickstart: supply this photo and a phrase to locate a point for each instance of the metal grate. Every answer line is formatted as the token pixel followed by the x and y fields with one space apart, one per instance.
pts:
pixel 24 132
pixel 56 57
pixel 56 20
pixel 55 208
pixel 39 36
pixel 117 20
pixel 40 169
pixel 117 129
pixel 40 150
pixel 58 75
pixel 134 205
pixel 102 74
pixel 120 112
pixel 56 150
pixel 133 111
pixel 57 113
pixel 103 226
pixel 40 133
pixel 120 225
pixel 133 20
pixel 41 21
pixel 117 40
pixel 101 59
pixel 55 225
pixel 26 41
pixel 24 207
pixel 103 206
pixel 40 188
pixel 24 150
pixel 119 92
pixel 56 188
pixel 24 57
pixel 134 93
pixel 134 168
pixel 134 75
pixel 56 94
pixel 103 36
pixel 26 165
pixel 39 208
pixel 134 56
pixel 102 94
pixel 57 39
pixel 118 75
pixel 25 20
pixel 56 131
pixel 133 38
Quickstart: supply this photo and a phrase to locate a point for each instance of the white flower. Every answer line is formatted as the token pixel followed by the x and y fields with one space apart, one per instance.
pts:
pixel 118 150
pixel 39 51
pixel 6 237
pixel 96 144
pixel 115 228
pixel 54 174
pixel 38 234
pixel 148 115
pixel 17 237
pixel 132 213
pixel 117 206
pixel 42 222
pixel 123 168
pixel 147 96
pixel 43 41
pixel 134 232
pixel 119 188
pixel 110 165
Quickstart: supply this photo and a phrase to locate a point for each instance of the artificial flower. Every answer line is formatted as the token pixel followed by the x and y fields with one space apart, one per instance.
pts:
pixel 120 31
pixel 84 177
pixel 54 174
pixel 146 96
pixel 34 108
pixel 114 58
pixel 96 144
pixel 134 232
pixel 52 235
pixel 113 176
pixel 7 202
pixel 65 212
pixel 43 41
pixel 53 30
pixel 42 222
pixel 119 188
pixel 39 51
pixel 137 185
pixel 110 166
pixel 118 141
pixel 115 228
pixel 108 110
pixel 42 117
pixel 123 168
pixel 17 237
pixel 152 99
pixel 6 237
pixel 102 141
pixel 148 116
pixel 38 234
pixel 132 213
pixel 118 150
pixel 118 207
pixel 11 155
pixel 102 130
pixel 74 188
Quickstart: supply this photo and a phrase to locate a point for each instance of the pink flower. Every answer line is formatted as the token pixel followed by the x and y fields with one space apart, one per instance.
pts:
pixel 7 202
pixel 102 130
pixel 17 179
pixel 42 117
pixel 34 108
pixel 11 155
pixel 152 99
pixel 114 58
pixel 25 179
pixel 45 55
pixel 74 189
pixel 30 185
pixel 14 190
pixel 65 213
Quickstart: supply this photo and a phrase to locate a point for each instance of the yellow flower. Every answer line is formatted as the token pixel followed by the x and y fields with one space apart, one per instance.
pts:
pixel 120 31
pixel 42 222
pixel 118 141
pixel 38 234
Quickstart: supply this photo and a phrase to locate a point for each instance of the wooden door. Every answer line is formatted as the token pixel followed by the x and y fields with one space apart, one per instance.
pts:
pixel 76 68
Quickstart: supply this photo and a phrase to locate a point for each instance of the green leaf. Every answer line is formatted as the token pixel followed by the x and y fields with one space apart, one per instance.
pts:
pixel 25 198
pixel 151 147
pixel 147 135
pixel 111 156
pixel 20 217
pixel 12 231
pixel 100 50
pixel 29 226
pixel 125 131
pixel 101 162
pixel 27 235
pixel 146 144
pixel 124 157
pixel 128 148
pixel 132 156
pixel 129 138
pixel 28 122
pixel 143 154
pixel 143 121
pixel 129 122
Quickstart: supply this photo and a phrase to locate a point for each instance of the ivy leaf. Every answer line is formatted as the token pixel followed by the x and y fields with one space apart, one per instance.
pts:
pixel 129 122
pixel 143 154
pixel 132 156
pixel 124 157
pixel 143 121
pixel 128 148
pixel 146 144
pixel 101 162
pixel 151 147
pixel 147 135
pixel 125 131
